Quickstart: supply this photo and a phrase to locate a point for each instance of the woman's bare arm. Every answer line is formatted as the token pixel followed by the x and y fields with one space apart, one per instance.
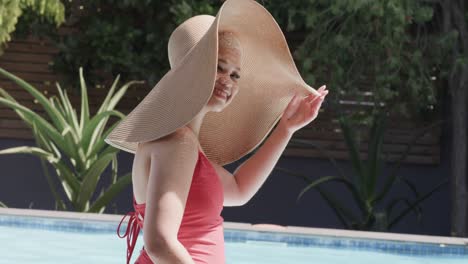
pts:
pixel 251 174
pixel 173 161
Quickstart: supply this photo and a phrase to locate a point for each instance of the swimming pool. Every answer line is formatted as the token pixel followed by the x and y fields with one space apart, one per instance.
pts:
pixel 36 236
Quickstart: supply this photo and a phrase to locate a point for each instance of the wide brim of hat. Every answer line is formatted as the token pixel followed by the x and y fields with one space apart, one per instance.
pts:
pixel 269 78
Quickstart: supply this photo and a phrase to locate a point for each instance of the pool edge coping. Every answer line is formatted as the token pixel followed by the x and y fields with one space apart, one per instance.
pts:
pixel 256 227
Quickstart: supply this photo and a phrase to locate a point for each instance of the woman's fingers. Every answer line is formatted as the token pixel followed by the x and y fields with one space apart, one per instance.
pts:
pixel 312 97
pixel 292 106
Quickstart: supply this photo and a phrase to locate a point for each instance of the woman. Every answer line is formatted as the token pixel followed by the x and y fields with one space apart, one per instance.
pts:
pixel 231 79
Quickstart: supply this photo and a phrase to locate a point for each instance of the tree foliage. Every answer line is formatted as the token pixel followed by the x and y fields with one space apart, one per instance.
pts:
pixel 12 10
pixel 126 38
pixel 392 50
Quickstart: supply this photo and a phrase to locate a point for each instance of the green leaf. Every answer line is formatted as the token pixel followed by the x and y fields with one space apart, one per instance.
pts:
pixel 29 150
pixel 61 205
pixel 393 174
pixel 84 102
pixel 70 113
pixel 69 184
pixel 56 104
pixel 53 10
pixel 411 186
pixel 114 169
pixel 71 133
pixel 91 132
pixel 30 121
pixel 111 192
pixel 68 180
pixel 66 177
pixel 416 203
pixel 97 146
pixel 42 125
pixel 7 96
pixel 344 214
pixel 91 178
pixel 105 104
pixel 42 142
pixel 101 144
pixel 295 174
pixel 317 182
pixel 119 94
pixel 423 14
pixel 354 192
pixel 394 202
pixel 54 115
pixel 353 151
pixel 374 153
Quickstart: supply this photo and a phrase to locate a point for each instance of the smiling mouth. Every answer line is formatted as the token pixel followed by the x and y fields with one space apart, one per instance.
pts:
pixel 221 94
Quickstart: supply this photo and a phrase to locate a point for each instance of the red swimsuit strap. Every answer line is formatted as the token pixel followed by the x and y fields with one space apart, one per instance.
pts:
pixel 132 231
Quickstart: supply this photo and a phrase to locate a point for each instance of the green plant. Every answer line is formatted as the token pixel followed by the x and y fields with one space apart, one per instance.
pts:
pixel 126 37
pixel 363 185
pixel 353 46
pixel 11 11
pixel 75 148
pixel 390 50
pixel 377 46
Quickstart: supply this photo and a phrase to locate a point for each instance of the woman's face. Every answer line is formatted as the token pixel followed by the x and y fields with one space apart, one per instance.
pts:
pixel 228 74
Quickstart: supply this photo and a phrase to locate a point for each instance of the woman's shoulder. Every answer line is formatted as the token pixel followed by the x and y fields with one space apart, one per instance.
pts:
pixel 182 140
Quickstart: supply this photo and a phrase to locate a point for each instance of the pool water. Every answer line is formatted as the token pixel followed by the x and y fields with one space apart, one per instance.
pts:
pixel 44 244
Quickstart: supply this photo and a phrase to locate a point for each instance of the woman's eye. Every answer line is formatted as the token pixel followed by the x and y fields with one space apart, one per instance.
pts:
pixel 220 69
pixel 235 75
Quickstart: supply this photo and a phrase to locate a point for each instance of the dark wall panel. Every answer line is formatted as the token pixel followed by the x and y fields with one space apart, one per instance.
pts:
pixel 23 185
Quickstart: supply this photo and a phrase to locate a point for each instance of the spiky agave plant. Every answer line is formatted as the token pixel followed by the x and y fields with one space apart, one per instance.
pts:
pixel 74 148
pixel 362 185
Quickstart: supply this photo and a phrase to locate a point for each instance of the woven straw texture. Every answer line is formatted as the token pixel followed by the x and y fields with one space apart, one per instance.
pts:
pixel 268 81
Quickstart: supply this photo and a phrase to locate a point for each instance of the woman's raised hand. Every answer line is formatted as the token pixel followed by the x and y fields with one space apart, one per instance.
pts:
pixel 302 111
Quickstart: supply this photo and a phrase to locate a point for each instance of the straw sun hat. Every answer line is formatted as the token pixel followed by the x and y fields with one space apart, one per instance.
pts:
pixel 269 81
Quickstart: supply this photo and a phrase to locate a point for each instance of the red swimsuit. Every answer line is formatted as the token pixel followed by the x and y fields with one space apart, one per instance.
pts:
pixel 201 229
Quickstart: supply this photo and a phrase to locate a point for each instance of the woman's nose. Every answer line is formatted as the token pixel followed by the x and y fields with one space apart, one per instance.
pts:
pixel 225 81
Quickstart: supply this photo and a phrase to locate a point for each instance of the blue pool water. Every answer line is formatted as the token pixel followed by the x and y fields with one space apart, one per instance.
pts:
pixel 48 240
